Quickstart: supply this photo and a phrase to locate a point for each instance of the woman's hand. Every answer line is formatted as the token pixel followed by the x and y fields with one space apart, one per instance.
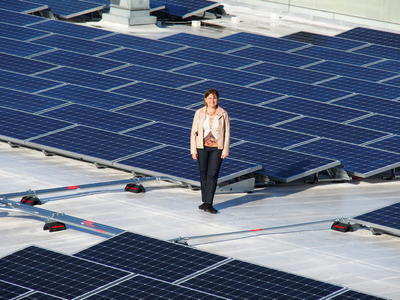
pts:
pixel 224 155
pixel 195 156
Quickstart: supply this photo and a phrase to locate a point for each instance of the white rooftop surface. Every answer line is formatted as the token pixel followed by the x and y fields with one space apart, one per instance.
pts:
pixel 357 260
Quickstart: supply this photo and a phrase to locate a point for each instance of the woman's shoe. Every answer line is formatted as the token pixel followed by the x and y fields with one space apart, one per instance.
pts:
pixel 203 206
pixel 210 209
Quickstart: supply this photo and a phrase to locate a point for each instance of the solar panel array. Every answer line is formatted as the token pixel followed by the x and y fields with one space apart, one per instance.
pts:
pixel 132 266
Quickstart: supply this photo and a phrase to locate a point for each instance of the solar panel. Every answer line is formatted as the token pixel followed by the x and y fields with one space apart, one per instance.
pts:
pixel 323 40
pixel 285 72
pixel 149 256
pixel 146 59
pixel 358 160
pixel 234 92
pixel 333 130
pixel 187 8
pixel 394 81
pixel 22 65
pixel 279 164
pixel 41 296
pixel 78 61
pixel 160 93
pixel 263 41
pixel 336 55
pixel 31 84
pixel 316 109
pixel 20 48
pixel 9 290
pixel 16 18
pixel 19 33
pixel 154 76
pixel 202 42
pixel 242 280
pixel 273 56
pixel 389 144
pixel 85 78
pixel 25 7
pixel 93 144
pixel 380 51
pixel 352 71
pixel 212 58
pixel 222 74
pixel 364 87
pixel 372 36
pixel 93 117
pixel 353 295
pixel 388 65
pixel 54 273
pixel 301 90
pixel 379 122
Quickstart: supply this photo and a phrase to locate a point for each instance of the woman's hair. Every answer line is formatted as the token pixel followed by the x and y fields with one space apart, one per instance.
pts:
pixel 211 92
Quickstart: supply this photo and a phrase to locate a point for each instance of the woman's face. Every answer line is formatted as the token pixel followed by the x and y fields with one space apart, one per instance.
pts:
pixel 211 101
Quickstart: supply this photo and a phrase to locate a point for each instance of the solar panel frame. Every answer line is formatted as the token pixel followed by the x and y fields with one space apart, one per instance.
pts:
pixel 31 84
pixel 41 296
pixel 379 122
pixel 187 8
pixel 380 51
pixel 354 295
pixel 9 290
pixel 387 65
pixel 20 48
pixel 20 33
pixel 394 81
pixel 10 15
pixel 389 144
pixel 372 36
pixel 23 65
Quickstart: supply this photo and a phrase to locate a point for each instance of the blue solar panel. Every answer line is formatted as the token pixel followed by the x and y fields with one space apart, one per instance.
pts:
pixel 222 74
pixel 388 65
pixel 379 122
pixel 353 295
pixel 323 40
pixel 19 33
pixel 364 87
pixel 372 36
pixel 187 8
pixel 30 84
pixel 161 94
pixel 234 92
pixel 380 51
pixel 22 65
pixel 20 48
pixel 337 55
pixel 394 81
pixel 70 29
pixel 25 101
pixel 263 41
pixel 15 18
pixel 279 164
pixel 146 59
pixel 54 273
pixel 21 7
pixel 333 130
pixel 160 77
pixel 212 58
pixel 95 143
pixel 85 78
pixel 351 71
pixel 270 136
pixel 283 58
pixel 93 117
pixel 302 90
pixel 79 61
pixel 286 72
pixel 74 44
pixel 242 280
pixel 82 95
pixel 202 42
pixel 70 8
pixel 41 296
pixel 139 43
pixel 316 109
pixel 9 291
pixel 389 144
pixel 359 160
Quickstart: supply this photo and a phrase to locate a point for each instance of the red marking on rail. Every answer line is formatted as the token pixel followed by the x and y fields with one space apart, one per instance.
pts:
pixel 132 188
pixel 58 226
pixel 101 230
pixel 73 187
pixel 257 229
pixel 88 223
pixel 337 226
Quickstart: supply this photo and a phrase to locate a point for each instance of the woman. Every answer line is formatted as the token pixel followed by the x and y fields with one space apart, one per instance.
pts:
pixel 209 145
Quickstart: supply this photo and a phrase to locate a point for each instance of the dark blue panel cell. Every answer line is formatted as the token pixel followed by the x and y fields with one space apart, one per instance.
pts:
pixel 161 94
pixel 333 130
pixel 9 291
pixel 74 44
pixel 287 59
pixel 96 98
pixel 286 72
pixel 25 101
pixel 15 18
pixel 270 136
pixel 380 51
pixel 353 295
pixel 85 78
pixel 148 256
pixel 302 90
pixel 19 33
pixel 222 74
pixel 20 48
pixel 139 43
pixel 41 296
pixel 187 8
pixel 364 87
pixel 394 81
pixel 242 280
pixel 388 65
pixel 372 36
pixel 79 61
pixel 146 59
pixel 388 216
pixel 93 117
pixel 336 55
pixel 22 65
pixel 70 8
pixel 47 271
pixel 212 58
pixel 279 164
pixel 159 77
pixel 30 84
pixel 202 42
pixel 234 92
pixel 352 71
pixel 389 144
pixel 323 40
pixel 21 125
pixel 70 29
pixel 379 122
pixel 263 41
pixel 316 109
pixel 359 160
pixel 163 133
